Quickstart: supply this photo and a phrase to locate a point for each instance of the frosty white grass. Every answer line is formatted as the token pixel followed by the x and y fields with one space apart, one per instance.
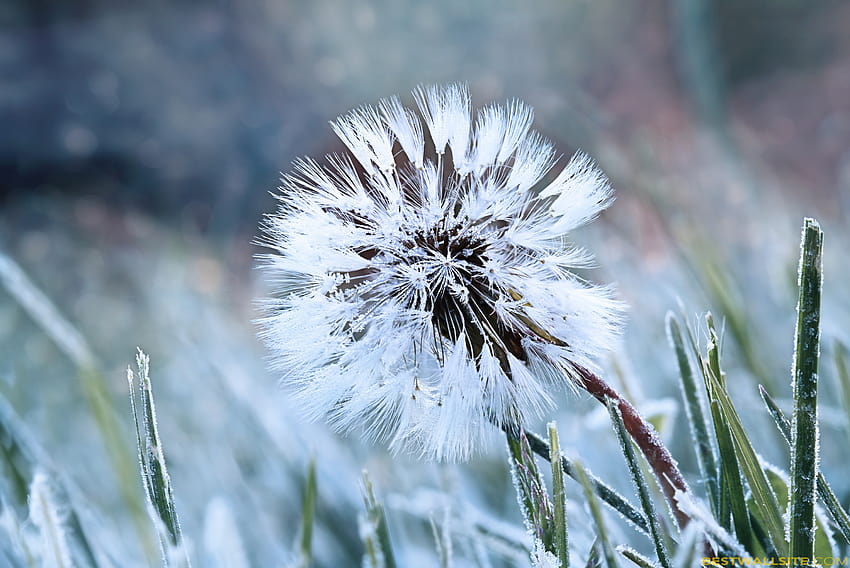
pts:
pixel 424 284
pixel 47 518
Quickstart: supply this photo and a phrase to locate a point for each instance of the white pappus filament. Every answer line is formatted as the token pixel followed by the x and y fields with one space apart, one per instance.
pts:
pixel 424 285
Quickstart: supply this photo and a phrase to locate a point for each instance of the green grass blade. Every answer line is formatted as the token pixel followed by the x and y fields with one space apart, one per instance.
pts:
pixel 760 534
pixel 308 509
pixel 593 558
pixel 826 495
pixel 596 513
pixel 640 484
pixel 776 413
pixel 608 495
pixel 636 557
pixel 766 506
pixel 781 486
pixel 559 496
pixel 833 506
pixel 731 486
pixel 375 533
pixel 536 506
pixel 695 414
pixel 804 433
pixel 20 456
pixel 155 478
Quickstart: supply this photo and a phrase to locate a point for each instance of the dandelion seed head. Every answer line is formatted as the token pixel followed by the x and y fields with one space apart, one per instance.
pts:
pixel 424 285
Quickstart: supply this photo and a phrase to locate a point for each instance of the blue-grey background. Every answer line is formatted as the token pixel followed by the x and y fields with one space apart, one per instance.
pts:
pixel 139 144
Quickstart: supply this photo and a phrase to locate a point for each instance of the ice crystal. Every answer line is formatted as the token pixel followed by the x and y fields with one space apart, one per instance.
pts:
pixel 424 285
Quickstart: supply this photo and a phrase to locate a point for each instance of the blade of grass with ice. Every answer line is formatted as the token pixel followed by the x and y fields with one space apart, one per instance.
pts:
pixel 766 510
pixel 44 514
pixel 696 415
pixel 559 496
pixel 607 494
pixel 825 493
pixel 593 558
pixel 537 508
pixel 22 458
pixel 155 479
pixel 804 432
pixel 639 482
pixel 374 530
pixel 732 501
pixel 596 513
pixel 308 509
pixel 781 482
pixel 443 541
pixel 71 342
pixel 636 557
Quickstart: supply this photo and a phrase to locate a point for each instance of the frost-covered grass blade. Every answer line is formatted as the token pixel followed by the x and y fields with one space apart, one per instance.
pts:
pixel 804 433
pixel 826 495
pixel 559 498
pixel 636 557
pixel 443 542
pixel 76 348
pixel 596 512
pixel 594 560
pixel 724 291
pixel 22 460
pixel 765 510
pixel 695 412
pixel 639 483
pixel 534 500
pixel 374 531
pixel 605 492
pixel 155 479
pixel 45 515
pixel 308 509
pixel 733 510
pixel 690 548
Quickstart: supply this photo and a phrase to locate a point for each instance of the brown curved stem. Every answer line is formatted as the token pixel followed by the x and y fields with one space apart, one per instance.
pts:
pixel 662 463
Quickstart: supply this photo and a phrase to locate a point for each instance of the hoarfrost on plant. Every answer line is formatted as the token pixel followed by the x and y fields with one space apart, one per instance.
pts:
pixel 424 285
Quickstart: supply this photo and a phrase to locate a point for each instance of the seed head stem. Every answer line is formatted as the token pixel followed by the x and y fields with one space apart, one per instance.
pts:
pixel 663 465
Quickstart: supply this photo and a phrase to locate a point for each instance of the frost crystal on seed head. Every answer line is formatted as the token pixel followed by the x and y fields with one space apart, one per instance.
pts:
pixel 424 286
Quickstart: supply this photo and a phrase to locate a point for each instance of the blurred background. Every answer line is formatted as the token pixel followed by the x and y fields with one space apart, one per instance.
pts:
pixel 139 145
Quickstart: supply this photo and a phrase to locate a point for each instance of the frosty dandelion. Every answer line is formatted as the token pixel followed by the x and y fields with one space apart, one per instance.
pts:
pixel 424 284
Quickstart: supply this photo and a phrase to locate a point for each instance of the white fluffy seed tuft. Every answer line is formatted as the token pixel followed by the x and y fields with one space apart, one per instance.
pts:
pixel 423 297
